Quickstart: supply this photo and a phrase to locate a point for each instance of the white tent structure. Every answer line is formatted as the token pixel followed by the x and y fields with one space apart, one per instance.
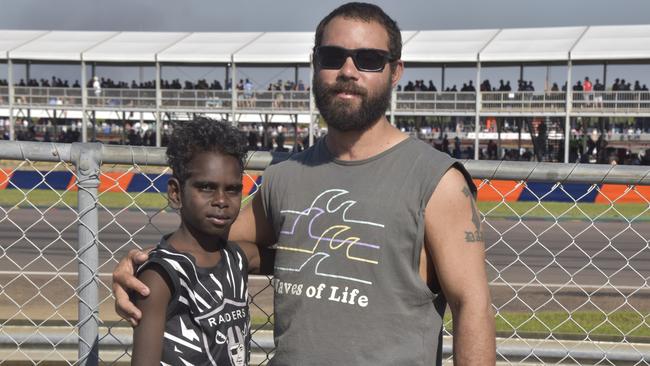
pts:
pixel 207 47
pixel 532 45
pixel 446 46
pixel 59 46
pixel 558 45
pixel 585 43
pixel 611 43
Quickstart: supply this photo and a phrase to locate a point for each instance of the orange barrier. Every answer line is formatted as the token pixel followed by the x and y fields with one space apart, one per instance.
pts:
pixel 115 181
pixel 498 190
pixel 250 186
pixel 108 182
pixel 622 194
pixel 488 191
pixel 5 175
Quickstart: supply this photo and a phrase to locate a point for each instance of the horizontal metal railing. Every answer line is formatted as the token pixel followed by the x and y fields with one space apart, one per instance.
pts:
pixel 543 102
pixel 195 99
pixel 259 160
pixel 275 100
pixel 112 154
pixel 51 97
pixel 122 98
pixel 612 101
pixel 435 102
pixel 523 101
pixel 4 95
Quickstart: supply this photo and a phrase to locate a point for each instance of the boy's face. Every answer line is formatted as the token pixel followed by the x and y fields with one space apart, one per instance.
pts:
pixel 210 198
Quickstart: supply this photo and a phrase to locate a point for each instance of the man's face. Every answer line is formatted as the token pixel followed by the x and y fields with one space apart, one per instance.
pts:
pixel 349 99
pixel 211 196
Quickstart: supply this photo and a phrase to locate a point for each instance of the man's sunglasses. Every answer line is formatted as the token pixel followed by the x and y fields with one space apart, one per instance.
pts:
pixel 365 59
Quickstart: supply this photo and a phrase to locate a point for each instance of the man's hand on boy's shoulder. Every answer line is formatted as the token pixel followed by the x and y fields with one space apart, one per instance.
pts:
pixel 124 281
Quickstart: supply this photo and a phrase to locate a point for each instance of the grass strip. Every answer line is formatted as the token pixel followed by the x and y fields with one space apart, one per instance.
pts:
pixel 47 198
pixel 595 326
pixel 628 325
pixel 528 210
pixel 566 210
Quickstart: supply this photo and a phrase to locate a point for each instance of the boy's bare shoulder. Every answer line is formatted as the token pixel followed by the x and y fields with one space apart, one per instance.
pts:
pixel 158 281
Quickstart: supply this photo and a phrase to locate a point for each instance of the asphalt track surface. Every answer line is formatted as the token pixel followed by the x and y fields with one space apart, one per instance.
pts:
pixel 532 264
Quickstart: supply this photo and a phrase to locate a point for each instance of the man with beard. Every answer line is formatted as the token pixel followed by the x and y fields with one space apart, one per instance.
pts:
pixel 374 231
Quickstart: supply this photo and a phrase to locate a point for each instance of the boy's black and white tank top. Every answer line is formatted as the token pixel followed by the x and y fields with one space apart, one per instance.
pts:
pixel 208 321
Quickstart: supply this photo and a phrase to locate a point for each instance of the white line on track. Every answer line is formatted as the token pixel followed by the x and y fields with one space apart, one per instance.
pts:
pixel 582 287
pixel 37 273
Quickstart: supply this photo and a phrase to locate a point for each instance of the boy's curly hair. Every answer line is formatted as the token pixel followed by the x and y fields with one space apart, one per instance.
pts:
pixel 199 135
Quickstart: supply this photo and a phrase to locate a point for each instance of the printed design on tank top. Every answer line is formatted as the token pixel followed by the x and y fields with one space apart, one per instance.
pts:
pixel 327 227
pixel 216 316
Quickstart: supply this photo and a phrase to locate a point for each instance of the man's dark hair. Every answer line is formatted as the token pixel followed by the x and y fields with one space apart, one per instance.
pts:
pixel 200 135
pixel 367 13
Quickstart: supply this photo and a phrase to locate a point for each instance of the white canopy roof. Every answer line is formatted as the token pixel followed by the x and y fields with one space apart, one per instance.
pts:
pixel 597 43
pixel 59 46
pixel 621 42
pixel 446 45
pixel 280 47
pixel 133 46
pixel 207 47
pixel 10 39
pixel 532 44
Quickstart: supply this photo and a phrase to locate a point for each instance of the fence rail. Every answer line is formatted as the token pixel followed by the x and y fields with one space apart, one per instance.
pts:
pixel 435 102
pixel 569 280
pixel 47 97
pixel 193 100
pixel 523 102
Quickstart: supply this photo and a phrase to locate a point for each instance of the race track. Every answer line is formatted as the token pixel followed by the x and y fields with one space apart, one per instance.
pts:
pixel 550 252
pixel 532 265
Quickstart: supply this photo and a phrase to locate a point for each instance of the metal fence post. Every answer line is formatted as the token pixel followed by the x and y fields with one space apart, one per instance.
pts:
pixel 12 100
pixel 87 158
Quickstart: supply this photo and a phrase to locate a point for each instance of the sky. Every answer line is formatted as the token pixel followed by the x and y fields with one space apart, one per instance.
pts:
pixel 304 15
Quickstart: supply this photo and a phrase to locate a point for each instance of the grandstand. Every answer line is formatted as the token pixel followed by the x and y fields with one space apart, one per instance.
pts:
pixel 503 116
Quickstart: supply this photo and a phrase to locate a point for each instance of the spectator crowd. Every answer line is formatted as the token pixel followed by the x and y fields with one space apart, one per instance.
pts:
pixel 524 86
pixel 289 85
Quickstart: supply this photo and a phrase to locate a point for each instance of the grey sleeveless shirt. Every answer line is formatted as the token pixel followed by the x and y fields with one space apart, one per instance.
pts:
pixel 349 237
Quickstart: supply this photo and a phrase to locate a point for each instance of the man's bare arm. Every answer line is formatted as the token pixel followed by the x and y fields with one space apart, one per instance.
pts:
pixel 254 234
pixel 124 280
pixel 252 225
pixel 454 242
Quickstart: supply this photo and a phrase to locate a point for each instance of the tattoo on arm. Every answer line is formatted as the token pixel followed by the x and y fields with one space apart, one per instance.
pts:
pixel 473 236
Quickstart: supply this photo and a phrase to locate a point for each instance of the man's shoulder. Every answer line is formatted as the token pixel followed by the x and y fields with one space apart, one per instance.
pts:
pixel 436 162
pixel 421 148
pixel 294 160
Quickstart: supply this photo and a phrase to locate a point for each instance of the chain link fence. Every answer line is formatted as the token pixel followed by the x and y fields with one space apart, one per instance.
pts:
pixel 567 246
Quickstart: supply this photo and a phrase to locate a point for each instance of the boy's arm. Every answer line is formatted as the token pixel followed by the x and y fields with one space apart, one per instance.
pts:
pixel 454 241
pixel 148 335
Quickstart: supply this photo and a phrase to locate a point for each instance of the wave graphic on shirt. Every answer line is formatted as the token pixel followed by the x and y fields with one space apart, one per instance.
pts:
pixel 339 237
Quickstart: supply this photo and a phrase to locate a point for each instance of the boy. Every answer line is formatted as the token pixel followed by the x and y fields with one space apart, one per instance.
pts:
pixel 197 311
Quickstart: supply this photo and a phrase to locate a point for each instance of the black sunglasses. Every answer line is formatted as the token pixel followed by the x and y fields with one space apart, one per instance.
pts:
pixel 365 59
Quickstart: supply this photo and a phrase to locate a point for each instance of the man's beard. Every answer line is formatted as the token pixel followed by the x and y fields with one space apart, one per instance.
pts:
pixel 340 114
